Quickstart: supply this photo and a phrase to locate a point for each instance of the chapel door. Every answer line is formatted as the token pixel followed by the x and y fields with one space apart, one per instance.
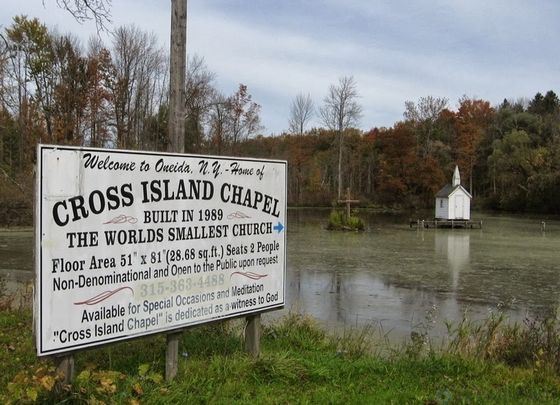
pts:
pixel 459 206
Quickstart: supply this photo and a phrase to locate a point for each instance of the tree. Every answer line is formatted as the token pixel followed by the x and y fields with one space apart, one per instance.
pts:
pixel 138 85
pixel 243 115
pixel 544 184
pixel 536 105
pixel 511 160
pixel 98 113
pixel 473 118
pixel 34 65
pixel 371 157
pixel 70 90
pixel 301 112
pixel 398 160
pixel 232 119
pixel 339 112
pixel 551 103
pixel 542 105
pixel 424 115
pixel 199 94
pixel 218 123
pixel 86 10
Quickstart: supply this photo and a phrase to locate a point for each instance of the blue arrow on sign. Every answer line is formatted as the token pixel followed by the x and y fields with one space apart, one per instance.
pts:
pixel 278 227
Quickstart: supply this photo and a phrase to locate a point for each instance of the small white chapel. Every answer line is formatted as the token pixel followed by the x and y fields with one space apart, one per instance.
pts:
pixel 453 201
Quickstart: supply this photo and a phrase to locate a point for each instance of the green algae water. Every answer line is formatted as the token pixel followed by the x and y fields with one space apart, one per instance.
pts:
pixel 399 279
pixel 392 277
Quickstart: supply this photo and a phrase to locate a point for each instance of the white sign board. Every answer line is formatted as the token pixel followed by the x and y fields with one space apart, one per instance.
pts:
pixel 132 243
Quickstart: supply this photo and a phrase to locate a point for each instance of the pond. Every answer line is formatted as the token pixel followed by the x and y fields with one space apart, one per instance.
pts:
pixel 393 277
pixel 397 279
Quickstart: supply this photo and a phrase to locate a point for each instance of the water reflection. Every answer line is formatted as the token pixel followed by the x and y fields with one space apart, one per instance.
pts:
pixel 392 276
pixel 455 247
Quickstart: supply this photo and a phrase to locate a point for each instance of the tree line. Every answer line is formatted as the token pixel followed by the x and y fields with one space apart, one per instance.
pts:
pixel 55 90
pixel 508 155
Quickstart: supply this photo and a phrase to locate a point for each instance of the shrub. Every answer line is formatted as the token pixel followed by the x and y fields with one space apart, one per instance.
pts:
pixel 339 221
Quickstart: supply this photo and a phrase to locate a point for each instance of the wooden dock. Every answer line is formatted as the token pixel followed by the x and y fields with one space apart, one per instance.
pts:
pixel 446 223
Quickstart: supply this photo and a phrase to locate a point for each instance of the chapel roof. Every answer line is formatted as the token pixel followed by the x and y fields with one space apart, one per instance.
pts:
pixel 448 189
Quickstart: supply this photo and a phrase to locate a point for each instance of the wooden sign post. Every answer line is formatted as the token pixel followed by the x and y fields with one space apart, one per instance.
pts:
pixel 252 335
pixel 65 366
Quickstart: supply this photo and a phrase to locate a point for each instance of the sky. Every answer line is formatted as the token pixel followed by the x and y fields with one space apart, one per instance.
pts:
pixel 396 50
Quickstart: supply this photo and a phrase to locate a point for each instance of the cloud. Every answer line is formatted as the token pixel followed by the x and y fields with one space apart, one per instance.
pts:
pixel 403 52
pixel 397 50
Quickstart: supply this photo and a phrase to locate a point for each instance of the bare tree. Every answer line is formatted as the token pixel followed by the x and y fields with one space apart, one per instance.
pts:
pixel 139 78
pixel 424 115
pixel 5 51
pixel 300 113
pixel 87 10
pixel 341 111
pixel 244 115
pixel 218 123
pixel 427 108
pixel 232 119
pixel 199 97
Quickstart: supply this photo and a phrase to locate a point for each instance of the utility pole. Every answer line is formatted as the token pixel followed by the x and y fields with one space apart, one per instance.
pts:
pixel 176 129
pixel 177 72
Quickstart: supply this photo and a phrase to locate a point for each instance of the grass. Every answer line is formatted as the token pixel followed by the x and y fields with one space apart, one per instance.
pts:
pixel 491 362
pixel 339 221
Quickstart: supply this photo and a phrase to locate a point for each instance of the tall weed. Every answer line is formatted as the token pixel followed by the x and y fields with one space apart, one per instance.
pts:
pixel 533 343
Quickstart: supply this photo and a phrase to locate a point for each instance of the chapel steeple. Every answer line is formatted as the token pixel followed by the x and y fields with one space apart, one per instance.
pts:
pixel 456 177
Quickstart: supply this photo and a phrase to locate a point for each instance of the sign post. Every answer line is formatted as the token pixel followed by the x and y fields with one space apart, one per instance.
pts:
pixel 65 367
pixel 133 243
pixel 172 355
pixel 252 335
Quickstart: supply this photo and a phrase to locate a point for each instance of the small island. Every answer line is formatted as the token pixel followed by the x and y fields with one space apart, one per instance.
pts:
pixel 345 221
pixel 339 221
